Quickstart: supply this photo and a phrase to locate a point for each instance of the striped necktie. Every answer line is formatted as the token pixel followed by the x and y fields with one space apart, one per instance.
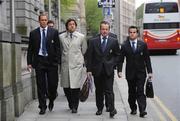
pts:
pixel 44 50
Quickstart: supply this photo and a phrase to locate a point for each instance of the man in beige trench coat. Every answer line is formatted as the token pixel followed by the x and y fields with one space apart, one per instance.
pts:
pixel 73 45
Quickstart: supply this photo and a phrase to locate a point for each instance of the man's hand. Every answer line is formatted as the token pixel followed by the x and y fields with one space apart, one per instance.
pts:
pixel 29 68
pixel 150 75
pixel 119 74
pixel 89 75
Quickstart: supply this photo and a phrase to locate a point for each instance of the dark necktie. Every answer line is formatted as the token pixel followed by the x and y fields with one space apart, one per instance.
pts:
pixel 71 35
pixel 103 44
pixel 44 50
pixel 133 47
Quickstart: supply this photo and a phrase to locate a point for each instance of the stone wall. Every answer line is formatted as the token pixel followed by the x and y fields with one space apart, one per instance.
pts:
pixel 3 18
pixel 17 86
pixel 26 15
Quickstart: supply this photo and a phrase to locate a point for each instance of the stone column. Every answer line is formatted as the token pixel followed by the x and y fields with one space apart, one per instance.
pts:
pixel 16 74
pixel 6 93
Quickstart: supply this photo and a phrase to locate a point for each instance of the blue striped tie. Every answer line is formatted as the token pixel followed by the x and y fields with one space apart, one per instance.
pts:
pixel 103 44
pixel 44 50
pixel 133 47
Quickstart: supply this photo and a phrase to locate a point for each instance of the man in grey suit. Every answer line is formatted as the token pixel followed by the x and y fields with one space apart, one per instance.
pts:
pixel 137 64
pixel 103 52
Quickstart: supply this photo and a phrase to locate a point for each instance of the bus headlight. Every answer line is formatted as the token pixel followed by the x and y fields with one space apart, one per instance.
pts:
pixel 178 39
pixel 145 39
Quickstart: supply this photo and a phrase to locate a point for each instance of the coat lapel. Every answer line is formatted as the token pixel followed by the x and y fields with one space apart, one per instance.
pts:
pixel 129 46
pixel 47 37
pixel 108 44
pixel 98 43
pixel 38 37
pixel 138 46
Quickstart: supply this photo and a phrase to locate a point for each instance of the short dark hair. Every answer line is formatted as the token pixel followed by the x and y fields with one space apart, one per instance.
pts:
pixel 133 27
pixel 69 20
pixel 50 22
pixel 43 14
pixel 104 22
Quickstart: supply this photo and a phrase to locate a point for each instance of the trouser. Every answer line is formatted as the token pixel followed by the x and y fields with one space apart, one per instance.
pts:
pixel 104 86
pixel 47 81
pixel 72 96
pixel 136 93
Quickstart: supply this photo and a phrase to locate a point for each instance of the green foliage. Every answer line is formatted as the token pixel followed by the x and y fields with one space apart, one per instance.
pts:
pixel 139 12
pixel 93 16
pixel 66 6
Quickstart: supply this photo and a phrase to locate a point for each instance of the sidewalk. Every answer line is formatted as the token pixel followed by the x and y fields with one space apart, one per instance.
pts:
pixel 86 110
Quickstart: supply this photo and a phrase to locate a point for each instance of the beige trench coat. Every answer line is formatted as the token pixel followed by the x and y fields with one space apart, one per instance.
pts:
pixel 72 59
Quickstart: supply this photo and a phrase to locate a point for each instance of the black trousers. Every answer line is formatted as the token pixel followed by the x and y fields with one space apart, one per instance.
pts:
pixel 72 96
pixel 47 81
pixel 136 93
pixel 104 86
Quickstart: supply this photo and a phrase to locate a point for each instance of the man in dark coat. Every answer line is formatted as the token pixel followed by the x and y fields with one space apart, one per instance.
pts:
pixel 102 55
pixel 137 64
pixel 44 56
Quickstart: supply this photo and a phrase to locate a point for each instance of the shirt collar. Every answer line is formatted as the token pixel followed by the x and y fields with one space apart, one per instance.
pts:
pixel 43 28
pixel 133 41
pixel 106 37
pixel 74 34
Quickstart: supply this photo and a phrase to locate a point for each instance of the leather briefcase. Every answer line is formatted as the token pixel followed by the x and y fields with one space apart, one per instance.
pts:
pixel 149 89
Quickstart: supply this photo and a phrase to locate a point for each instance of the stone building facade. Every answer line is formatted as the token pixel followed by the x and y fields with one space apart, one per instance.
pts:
pixel 17 85
pixel 124 16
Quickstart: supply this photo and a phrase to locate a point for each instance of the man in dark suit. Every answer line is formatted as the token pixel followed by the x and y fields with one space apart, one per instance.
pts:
pixel 106 98
pixel 137 63
pixel 44 55
pixel 102 54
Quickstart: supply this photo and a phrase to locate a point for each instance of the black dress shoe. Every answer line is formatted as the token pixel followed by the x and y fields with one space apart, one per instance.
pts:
pixel 133 112
pixel 99 112
pixel 74 110
pixel 70 106
pixel 107 109
pixel 42 111
pixel 51 105
pixel 112 113
pixel 142 114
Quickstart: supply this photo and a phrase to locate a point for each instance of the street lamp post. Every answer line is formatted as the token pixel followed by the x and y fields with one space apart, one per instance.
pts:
pixel 59 15
pixel 49 10
pixel 12 17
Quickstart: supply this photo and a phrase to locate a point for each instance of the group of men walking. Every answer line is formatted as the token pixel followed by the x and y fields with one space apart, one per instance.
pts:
pixel 47 49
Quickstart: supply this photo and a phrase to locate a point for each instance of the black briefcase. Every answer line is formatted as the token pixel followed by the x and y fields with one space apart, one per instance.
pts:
pixel 149 89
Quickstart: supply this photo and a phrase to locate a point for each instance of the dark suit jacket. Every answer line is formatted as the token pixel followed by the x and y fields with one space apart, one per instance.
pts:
pixel 96 59
pixel 53 47
pixel 136 63
pixel 112 35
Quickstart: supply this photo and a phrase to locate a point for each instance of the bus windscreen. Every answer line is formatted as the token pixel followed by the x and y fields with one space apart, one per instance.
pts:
pixel 170 7
pixel 161 25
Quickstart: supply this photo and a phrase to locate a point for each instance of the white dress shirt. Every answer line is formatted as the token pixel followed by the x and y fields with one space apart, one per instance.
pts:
pixel 41 31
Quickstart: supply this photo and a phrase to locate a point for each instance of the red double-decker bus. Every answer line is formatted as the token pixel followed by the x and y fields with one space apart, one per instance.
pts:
pixel 161 25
